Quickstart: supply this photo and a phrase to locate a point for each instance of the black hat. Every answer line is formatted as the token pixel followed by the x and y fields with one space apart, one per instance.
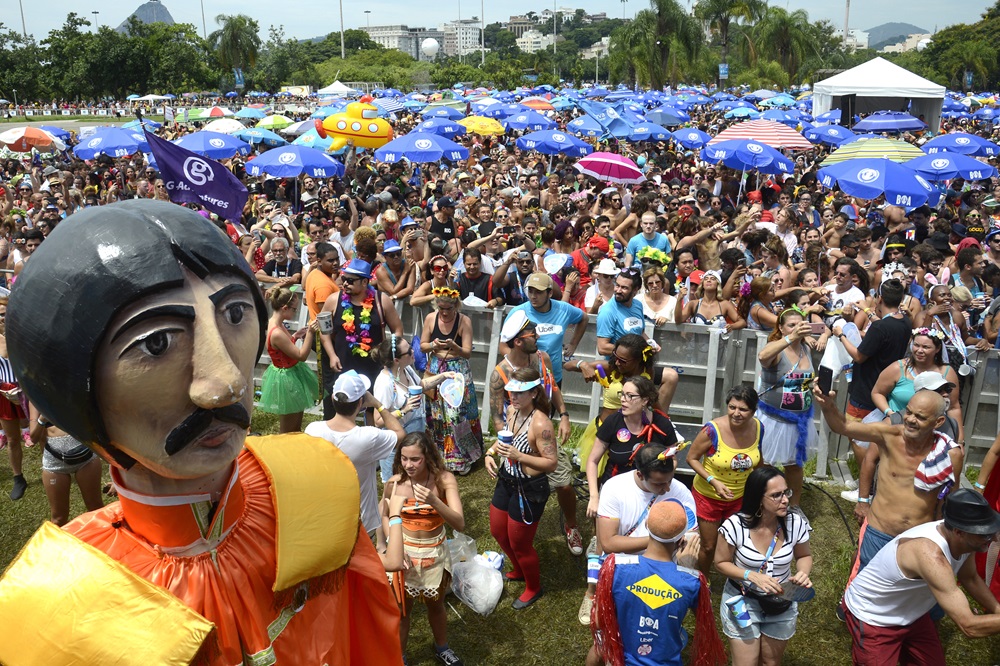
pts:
pixel 968 511
pixel 939 241
pixel 959 230
pixel 445 202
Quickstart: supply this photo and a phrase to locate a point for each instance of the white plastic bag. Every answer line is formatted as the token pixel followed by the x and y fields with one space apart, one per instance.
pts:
pixel 477 586
pixel 462 548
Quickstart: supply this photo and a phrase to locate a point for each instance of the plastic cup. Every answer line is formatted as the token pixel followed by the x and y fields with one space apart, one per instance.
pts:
pixel 415 391
pixel 738 608
pixel 505 437
pixel 325 320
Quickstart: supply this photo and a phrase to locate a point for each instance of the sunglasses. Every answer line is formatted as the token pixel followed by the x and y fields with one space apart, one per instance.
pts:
pixel 620 360
pixel 439 269
pixel 786 493
pixel 616 200
pixel 349 281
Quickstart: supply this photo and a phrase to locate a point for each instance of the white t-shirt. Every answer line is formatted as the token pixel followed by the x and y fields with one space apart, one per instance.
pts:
pixel 839 301
pixel 346 242
pixel 667 310
pixel 365 446
pixel 387 391
pixel 622 498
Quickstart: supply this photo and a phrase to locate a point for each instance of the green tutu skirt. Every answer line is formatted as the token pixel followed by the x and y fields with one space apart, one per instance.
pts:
pixel 288 390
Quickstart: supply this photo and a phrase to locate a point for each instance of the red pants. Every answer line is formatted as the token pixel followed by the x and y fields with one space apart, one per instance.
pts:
pixel 917 644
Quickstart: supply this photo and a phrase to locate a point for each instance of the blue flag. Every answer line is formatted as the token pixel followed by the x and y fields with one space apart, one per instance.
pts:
pixel 191 178
pixel 608 118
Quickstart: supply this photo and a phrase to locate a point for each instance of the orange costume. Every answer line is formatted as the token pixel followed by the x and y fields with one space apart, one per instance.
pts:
pixel 284 573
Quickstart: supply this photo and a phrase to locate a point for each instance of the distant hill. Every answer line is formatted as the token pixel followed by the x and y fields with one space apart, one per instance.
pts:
pixel 891 33
pixel 151 12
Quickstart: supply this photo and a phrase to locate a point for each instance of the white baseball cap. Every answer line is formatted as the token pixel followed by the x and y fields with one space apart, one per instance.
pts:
pixel 350 386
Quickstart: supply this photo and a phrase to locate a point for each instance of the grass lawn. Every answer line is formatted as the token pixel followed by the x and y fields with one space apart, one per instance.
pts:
pixel 548 632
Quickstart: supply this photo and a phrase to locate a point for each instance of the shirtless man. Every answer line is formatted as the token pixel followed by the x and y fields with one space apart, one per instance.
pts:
pixel 908 494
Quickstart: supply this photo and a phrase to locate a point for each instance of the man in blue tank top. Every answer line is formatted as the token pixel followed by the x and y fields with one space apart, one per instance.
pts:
pixel 643 599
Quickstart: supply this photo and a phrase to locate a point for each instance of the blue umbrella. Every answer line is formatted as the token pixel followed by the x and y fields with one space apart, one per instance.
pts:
pixel 529 120
pixel 133 96
pixel 830 135
pixel 139 124
pixel 743 112
pixel 781 116
pixel 960 142
pixel 216 145
pixel 889 121
pixel 257 135
pixel 247 112
pixel 667 116
pixel 649 132
pixel 745 155
pixel 442 112
pixel 723 97
pixel 550 142
pixel 985 113
pixel 597 92
pixel 414 105
pixel 945 166
pixel 951 115
pixel 312 139
pixel 421 147
pixel 387 105
pixel 441 126
pixel 294 161
pixel 501 111
pixel 585 126
pixel 691 138
pixel 111 141
pixel 871 178
pixel 57 132
pixel 831 116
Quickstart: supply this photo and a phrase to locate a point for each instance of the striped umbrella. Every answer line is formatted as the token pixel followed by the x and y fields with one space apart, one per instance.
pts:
pixel 610 168
pixel 890 149
pixel 768 132
pixel 23 139
pixel 388 105
pixel 275 122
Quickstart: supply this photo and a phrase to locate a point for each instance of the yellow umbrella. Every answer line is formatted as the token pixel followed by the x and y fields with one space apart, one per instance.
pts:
pixel 890 149
pixel 806 95
pixel 481 125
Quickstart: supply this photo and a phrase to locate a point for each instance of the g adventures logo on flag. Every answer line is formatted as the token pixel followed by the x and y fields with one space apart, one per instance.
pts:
pixel 191 178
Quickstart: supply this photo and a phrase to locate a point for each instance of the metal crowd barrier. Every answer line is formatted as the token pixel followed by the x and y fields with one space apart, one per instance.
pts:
pixel 708 363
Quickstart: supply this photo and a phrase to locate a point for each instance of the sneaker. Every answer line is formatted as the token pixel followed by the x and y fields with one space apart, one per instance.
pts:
pixel 840 611
pixel 20 485
pixel 850 495
pixel 449 658
pixel 574 541
pixel 26 438
pixel 851 484
pixel 592 547
pixel 585 608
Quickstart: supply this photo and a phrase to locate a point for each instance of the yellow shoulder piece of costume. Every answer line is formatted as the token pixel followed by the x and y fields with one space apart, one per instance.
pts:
pixel 66 603
pixel 317 504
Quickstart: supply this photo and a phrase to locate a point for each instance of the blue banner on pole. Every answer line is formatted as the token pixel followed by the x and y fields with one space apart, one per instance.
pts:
pixel 723 70
pixel 238 75
pixel 191 178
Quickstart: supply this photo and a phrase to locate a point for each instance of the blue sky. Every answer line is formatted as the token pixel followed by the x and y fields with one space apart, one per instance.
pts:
pixel 312 18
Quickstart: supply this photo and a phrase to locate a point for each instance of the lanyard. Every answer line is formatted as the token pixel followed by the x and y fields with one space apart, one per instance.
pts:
pixel 768 566
pixel 954 335
pixel 642 516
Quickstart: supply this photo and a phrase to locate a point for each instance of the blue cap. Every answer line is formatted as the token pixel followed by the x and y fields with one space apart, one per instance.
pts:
pixel 849 211
pixel 407 222
pixel 358 268
pixel 391 246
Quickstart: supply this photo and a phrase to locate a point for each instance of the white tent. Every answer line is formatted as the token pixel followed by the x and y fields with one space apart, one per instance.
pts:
pixel 150 98
pixel 337 88
pixel 879 85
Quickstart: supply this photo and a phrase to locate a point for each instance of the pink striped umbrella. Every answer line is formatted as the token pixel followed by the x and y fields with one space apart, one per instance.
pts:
pixel 769 132
pixel 610 168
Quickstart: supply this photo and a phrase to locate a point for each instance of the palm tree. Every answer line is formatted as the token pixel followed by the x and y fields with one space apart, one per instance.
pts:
pixel 652 37
pixel 974 57
pixel 784 36
pixel 721 14
pixel 236 42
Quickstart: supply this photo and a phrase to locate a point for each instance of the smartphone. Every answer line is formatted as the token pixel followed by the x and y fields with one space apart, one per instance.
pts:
pixel 509 230
pixel 825 380
pixel 817 328
pixel 256 235
pixel 742 262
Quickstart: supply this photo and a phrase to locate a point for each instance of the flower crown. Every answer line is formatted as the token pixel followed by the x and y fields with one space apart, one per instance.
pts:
pixel 650 252
pixel 445 292
pixel 928 332
pixel 892 267
pixel 745 289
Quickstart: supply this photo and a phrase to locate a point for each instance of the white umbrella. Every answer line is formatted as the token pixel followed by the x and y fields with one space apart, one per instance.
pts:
pixel 299 128
pixel 225 126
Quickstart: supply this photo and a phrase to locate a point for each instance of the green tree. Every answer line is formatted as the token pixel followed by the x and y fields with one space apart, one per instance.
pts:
pixel 721 14
pixel 977 57
pixel 783 36
pixel 656 40
pixel 20 66
pixel 67 52
pixel 358 40
pixel 236 43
